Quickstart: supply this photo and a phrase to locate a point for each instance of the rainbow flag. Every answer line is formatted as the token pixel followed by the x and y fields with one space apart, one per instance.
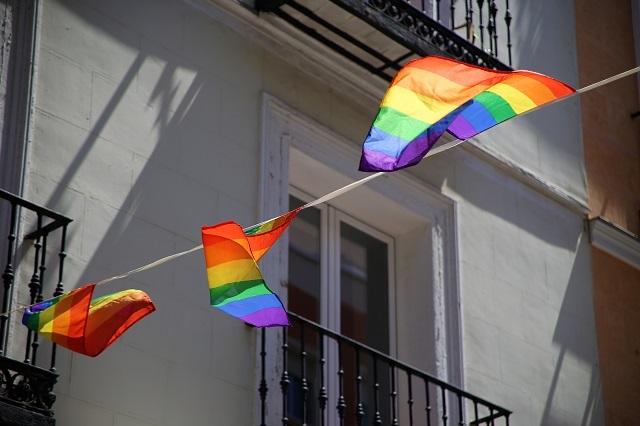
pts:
pixel 432 95
pixel 236 285
pixel 262 236
pixel 87 326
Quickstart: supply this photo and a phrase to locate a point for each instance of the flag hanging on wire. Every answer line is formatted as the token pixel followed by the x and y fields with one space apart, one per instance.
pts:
pixel 76 322
pixel 433 95
pixel 236 285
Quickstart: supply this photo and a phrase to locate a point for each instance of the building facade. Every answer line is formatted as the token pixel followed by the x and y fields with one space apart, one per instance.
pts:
pixel 145 120
pixel 613 176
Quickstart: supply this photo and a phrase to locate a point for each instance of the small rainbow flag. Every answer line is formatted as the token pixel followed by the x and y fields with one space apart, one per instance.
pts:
pixel 87 326
pixel 236 285
pixel 262 236
pixel 431 95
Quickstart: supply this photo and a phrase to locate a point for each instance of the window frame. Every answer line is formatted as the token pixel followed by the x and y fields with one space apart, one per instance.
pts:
pixel 330 219
pixel 289 135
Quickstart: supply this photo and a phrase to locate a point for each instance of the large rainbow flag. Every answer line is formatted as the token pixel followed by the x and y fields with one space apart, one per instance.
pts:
pixel 236 285
pixel 87 326
pixel 431 95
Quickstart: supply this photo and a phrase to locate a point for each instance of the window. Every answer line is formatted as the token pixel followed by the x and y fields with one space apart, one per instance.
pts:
pixel 394 235
pixel 348 288
pixel 357 271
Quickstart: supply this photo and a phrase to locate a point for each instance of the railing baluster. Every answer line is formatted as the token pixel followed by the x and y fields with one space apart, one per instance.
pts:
pixel 468 9
pixel 263 389
pixel 60 286
pixel 460 414
pixel 491 415
pixel 452 8
pixel 475 411
pixel 445 417
pixel 394 397
pixel 507 20
pixel 490 29
pixel 39 298
pixel 428 409
pixel 480 4
pixel 7 278
pixel 359 406
pixel 493 9
pixel 410 400
pixel 377 419
pixel 303 368
pixel 322 395
pixel 34 285
pixel 284 378
pixel 341 407
pixel 438 10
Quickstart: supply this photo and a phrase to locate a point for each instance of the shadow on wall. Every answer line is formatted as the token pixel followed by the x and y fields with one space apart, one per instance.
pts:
pixel 182 173
pixel 574 335
pixel 546 46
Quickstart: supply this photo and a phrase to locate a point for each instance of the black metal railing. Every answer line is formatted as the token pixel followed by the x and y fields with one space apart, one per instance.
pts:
pixel 481 21
pixel 471 32
pixel 324 374
pixel 23 383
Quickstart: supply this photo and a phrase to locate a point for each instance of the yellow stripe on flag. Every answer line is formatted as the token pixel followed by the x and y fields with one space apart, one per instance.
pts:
pixel 519 101
pixel 419 107
pixel 233 271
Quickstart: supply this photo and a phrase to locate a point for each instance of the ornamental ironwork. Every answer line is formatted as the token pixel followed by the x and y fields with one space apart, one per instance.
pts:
pixel 411 28
pixel 22 382
pixel 27 386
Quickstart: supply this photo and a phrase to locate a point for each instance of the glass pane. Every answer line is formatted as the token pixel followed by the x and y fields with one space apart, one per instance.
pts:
pixel 304 262
pixel 364 288
pixel 304 300
pixel 364 316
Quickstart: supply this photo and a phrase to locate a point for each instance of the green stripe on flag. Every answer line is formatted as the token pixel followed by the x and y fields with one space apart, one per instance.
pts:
pixel 220 294
pixel 496 105
pixel 398 124
pixel 258 290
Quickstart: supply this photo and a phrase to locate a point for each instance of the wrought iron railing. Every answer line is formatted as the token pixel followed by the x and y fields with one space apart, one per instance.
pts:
pixel 471 32
pixel 24 383
pixel 481 21
pixel 328 378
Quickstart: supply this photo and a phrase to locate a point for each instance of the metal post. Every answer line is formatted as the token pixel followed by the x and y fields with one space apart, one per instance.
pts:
pixel 7 278
pixel 34 285
pixel 59 291
pixel 263 389
pixel 284 379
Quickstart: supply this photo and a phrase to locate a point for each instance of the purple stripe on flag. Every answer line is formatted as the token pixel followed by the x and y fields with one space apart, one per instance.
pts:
pixel 461 128
pixel 270 317
pixel 375 161
pixel 250 305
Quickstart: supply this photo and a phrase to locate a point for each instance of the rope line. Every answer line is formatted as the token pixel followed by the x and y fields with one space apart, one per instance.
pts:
pixel 357 183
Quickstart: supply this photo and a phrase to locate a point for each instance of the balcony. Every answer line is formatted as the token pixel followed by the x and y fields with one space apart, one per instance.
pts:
pixel 383 35
pixel 328 378
pixel 27 370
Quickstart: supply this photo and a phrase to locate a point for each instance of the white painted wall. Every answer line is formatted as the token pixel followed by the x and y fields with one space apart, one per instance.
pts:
pixel 527 298
pixel 547 142
pixel 147 126
pixel 129 141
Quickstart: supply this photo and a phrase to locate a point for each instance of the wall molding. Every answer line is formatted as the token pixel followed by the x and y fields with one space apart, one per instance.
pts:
pixel 285 130
pixel 615 241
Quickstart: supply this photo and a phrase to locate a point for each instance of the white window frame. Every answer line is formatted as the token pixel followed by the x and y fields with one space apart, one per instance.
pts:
pixel 289 135
pixel 331 217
